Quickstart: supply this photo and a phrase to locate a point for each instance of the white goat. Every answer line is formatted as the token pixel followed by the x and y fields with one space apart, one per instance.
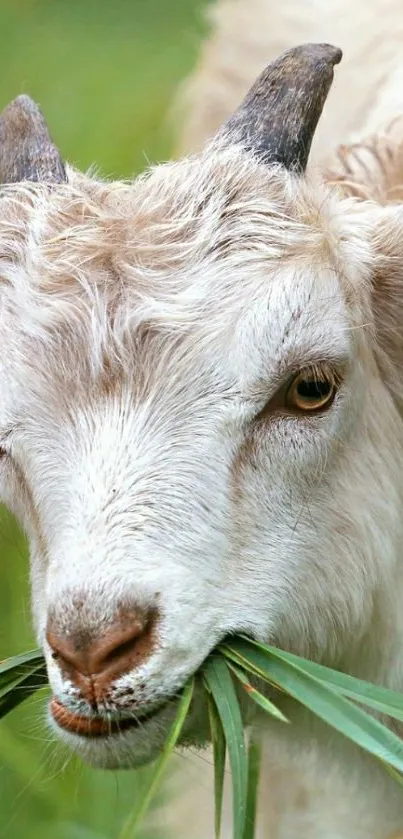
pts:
pixel 201 433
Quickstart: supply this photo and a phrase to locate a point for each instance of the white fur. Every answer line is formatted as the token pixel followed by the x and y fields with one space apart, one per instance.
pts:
pixel 144 327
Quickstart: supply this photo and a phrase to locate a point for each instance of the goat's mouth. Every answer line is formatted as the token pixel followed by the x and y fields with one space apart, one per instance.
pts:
pixel 94 726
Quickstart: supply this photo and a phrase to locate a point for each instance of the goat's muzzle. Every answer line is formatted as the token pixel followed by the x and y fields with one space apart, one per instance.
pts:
pixel 94 661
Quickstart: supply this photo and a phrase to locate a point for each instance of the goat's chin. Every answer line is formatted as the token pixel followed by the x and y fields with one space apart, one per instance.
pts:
pixel 134 747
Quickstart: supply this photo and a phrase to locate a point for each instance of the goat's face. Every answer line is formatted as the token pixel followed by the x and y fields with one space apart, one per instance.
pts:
pixel 186 390
pixel 173 487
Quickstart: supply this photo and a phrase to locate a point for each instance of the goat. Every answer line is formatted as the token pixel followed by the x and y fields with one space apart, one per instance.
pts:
pixel 201 434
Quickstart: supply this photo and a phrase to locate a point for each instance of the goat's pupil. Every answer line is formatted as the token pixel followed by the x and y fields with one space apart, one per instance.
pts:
pixel 313 389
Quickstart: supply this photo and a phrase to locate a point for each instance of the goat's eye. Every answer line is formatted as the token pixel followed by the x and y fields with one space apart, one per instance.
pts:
pixel 310 391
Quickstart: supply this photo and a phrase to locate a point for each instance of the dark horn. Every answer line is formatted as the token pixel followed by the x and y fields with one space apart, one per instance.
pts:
pixel 278 117
pixel 27 152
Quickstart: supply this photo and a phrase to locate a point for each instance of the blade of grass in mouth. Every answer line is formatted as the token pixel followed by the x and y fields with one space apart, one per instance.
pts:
pixel 130 828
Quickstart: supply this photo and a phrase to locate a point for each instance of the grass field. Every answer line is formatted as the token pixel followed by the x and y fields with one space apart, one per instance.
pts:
pixel 104 74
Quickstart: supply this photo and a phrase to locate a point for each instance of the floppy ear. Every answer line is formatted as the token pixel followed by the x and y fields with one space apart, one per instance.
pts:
pixel 387 296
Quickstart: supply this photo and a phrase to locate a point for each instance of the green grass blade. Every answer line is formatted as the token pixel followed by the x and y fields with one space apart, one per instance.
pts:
pixel 19 690
pixel 322 700
pixel 254 761
pixel 398 776
pixel 20 676
pixel 219 751
pixel 219 683
pixel 129 830
pixel 381 699
pixel 247 663
pixel 255 694
pixel 32 657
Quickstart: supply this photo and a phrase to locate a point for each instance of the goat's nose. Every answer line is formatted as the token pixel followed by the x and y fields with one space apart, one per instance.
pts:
pixel 94 660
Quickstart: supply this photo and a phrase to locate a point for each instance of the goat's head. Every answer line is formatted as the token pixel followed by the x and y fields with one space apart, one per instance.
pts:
pixel 197 383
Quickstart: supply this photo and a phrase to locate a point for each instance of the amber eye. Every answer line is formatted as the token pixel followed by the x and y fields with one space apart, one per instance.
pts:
pixel 310 391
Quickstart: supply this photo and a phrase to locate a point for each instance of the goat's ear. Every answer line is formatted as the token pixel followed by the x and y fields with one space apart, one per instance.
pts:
pixel 27 152
pixel 387 296
pixel 278 117
pixel 371 168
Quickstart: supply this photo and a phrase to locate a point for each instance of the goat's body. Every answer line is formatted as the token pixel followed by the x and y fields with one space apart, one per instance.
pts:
pixel 314 784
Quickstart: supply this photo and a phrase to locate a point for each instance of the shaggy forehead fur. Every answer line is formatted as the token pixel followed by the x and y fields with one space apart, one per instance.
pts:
pixel 122 263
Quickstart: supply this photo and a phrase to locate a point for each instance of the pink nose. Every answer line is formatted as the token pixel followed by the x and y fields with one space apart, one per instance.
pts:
pixel 92 662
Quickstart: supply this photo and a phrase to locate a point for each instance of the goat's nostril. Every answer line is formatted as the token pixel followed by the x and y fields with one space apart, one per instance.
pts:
pixel 87 657
pixel 119 645
pixel 123 647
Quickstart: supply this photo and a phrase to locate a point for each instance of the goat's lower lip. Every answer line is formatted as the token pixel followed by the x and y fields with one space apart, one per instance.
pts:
pixel 89 726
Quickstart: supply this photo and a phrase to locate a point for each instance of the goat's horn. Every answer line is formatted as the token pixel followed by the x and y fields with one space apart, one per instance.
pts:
pixel 27 152
pixel 278 117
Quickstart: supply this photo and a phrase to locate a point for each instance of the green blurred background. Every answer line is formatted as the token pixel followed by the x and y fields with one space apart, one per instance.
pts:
pixel 105 73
